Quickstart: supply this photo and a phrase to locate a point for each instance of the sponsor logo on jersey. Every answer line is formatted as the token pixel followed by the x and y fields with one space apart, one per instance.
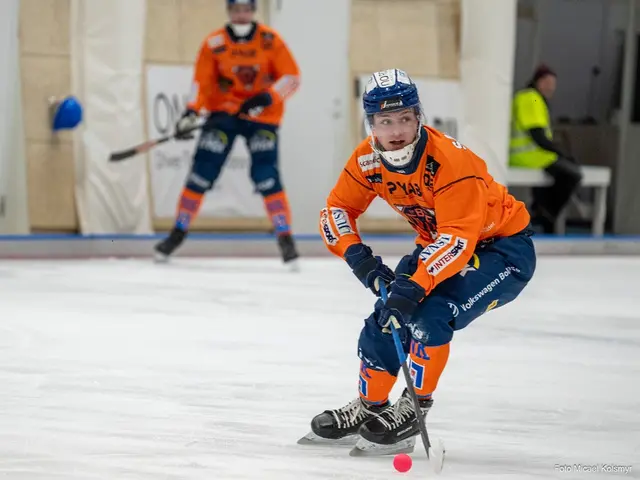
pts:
pixel 407 188
pixel 430 170
pixel 216 41
pixel 341 220
pixel 325 225
pixel 368 162
pixel 267 40
pixel 246 74
pixel 441 242
pixel 432 166
pixel 448 257
pixel 286 85
pixel 374 178
pixel 241 52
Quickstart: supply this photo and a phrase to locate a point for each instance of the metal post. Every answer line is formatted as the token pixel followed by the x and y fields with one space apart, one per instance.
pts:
pixel 625 114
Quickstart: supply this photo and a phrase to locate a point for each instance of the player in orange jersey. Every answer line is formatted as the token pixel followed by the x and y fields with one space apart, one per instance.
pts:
pixel 474 254
pixel 243 76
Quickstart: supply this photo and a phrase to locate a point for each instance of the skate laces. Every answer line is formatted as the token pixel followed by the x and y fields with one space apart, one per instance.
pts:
pixel 394 416
pixel 350 414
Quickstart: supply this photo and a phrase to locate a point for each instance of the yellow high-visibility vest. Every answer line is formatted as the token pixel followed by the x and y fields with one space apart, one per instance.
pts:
pixel 529 110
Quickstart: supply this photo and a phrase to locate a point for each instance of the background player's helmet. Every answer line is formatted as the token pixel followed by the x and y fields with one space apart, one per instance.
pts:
pixel 387 91
pixel 241 2
pixel 241 25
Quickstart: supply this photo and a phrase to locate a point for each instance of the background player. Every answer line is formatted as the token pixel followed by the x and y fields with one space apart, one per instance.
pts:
pixel 243 75
pixel 473 254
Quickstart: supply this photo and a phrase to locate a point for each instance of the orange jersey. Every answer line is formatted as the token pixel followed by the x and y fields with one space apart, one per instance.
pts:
pixel 449 199
pixel 229 71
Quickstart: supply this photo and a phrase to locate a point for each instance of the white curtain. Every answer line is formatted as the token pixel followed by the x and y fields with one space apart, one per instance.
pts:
pixel 487 62
pixel 107 55
pixel 13 192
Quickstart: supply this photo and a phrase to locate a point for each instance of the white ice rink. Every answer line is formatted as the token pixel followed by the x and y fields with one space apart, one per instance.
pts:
pixel 212 369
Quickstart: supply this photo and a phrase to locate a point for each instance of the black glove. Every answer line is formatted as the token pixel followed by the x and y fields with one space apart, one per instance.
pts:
pixel 258 101
pixel 187 121
pixel 369 269
pixel 403 300
pixel 408 264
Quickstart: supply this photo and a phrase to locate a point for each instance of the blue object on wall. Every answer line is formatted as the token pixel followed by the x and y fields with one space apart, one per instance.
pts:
pixel 66 113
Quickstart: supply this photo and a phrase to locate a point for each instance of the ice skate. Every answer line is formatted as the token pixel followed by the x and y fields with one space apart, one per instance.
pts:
pixel 392 431
pixel 340 426
pixel 288 252
pixel 167 246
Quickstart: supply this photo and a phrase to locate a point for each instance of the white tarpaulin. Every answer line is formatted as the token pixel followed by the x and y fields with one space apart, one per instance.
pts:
pixel 442 103
pixel 13 194
pixel 233 195
pixel 107 51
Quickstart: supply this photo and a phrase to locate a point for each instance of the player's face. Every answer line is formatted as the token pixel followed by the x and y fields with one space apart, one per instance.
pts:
pixel 395 130
pixel 241 14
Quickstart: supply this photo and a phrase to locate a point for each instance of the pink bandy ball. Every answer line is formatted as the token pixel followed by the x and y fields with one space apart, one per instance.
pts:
pixel 402 462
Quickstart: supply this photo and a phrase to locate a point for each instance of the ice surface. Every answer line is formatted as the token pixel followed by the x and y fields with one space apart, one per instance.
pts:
pixel 212 369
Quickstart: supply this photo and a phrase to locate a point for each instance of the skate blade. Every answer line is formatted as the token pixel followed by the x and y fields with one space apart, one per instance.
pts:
pixel 160 257
pixel 365 448
pixel 293 266
pixel 313 439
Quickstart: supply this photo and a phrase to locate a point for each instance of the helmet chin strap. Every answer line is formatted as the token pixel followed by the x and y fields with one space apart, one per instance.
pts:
pixel 241 29
pixel 398 158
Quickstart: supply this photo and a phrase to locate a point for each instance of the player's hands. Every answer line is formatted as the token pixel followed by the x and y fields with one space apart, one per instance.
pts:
pixel 403 301
pixel 253 106
pixel 188 121
pixel 369 269
pixel 408 264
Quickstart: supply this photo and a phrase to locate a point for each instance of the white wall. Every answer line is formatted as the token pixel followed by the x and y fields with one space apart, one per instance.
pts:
pixel 13 197
pixel 315 131
pixel 573 36
pixel 486 69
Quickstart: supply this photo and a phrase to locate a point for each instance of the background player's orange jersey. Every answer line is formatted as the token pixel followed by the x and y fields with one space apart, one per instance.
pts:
pixel 228 72
pixel 449 199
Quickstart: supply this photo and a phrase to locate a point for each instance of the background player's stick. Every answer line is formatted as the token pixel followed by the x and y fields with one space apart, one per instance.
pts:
pixel 146 146
pixel 435 452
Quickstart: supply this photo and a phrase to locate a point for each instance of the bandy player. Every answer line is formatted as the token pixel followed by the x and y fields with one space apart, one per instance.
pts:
pixel 473 254
pixel 243 75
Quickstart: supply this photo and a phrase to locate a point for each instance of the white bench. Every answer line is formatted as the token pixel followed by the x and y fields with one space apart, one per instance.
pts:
pixel 598 178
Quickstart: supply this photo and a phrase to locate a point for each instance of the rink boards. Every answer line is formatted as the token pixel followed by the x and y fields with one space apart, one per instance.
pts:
pixel 263 245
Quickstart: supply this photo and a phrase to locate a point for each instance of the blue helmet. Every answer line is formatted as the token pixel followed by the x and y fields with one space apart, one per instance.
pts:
pixel 241 2
pixel 389 90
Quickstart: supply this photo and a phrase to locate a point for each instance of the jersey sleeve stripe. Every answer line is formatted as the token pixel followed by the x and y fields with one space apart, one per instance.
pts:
pixel 435 192
pixel 368 187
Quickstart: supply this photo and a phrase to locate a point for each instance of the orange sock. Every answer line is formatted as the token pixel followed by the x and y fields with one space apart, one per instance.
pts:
pixel 277 206
pixel 188 208
pixel 375 385
pixel 426 365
